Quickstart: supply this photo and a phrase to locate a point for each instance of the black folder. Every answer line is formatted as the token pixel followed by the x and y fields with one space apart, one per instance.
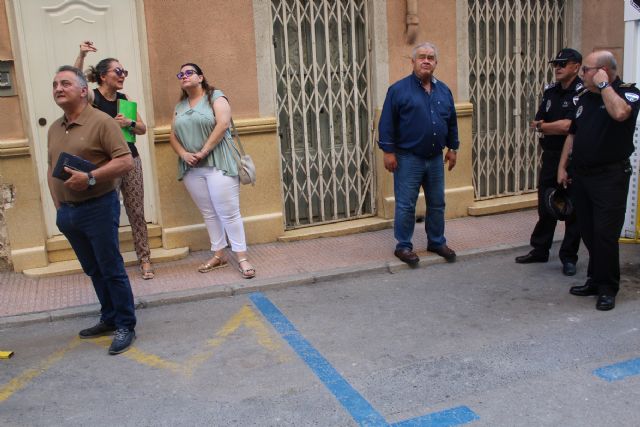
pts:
pixel 72 162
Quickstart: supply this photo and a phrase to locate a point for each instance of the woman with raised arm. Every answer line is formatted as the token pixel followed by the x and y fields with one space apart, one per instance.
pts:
pixel 109 75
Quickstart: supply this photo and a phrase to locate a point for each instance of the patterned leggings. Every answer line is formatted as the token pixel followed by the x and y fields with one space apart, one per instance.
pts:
pixel 133 197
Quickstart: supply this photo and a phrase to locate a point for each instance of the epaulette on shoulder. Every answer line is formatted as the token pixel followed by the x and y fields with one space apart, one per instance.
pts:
pixel 582 92
pixel 550 85
pixel 628 85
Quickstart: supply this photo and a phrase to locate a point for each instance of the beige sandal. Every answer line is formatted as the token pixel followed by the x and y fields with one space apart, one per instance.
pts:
pixel 247 273
pixel 147 273
pixel 208 266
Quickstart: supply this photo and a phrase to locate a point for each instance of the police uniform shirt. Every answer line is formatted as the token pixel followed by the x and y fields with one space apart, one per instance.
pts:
pixel 599 139
pixel 557 104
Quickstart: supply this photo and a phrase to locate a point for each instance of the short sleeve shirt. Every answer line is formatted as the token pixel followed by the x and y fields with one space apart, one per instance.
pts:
pixel 193 125
pixel 95 137
pixel 599 139
pixel 557 104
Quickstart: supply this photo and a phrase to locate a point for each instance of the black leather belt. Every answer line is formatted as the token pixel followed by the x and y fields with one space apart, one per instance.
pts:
pixel 599 169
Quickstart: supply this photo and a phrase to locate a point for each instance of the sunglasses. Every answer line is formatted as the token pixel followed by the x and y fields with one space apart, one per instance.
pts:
pixel 560 64
pixel 120 72
pixel 187 73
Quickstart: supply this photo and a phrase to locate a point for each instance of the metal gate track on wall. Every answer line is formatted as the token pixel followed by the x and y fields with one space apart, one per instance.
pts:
pixel 321 51
pixel 510 44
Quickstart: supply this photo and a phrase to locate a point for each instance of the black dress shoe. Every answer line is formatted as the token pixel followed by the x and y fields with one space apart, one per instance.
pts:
pixel 530 258
pixel 408 256
pixel 445 252
pixel 98 330
pixel 568 269
pixel 605 302
pixel 584 290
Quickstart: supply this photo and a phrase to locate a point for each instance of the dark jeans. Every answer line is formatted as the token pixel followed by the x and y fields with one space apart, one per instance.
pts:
pixel 92 230
pixel 542 236
pixel 601 202
pixel 412 173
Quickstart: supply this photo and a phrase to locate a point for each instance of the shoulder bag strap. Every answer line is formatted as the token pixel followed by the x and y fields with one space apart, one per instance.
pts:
pixel 236 137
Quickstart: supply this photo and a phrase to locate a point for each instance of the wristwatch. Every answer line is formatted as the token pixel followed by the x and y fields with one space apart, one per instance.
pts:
pixel 455 151
pixel 92 180
pixel 132 125
pixel 539 126
pixel 603 85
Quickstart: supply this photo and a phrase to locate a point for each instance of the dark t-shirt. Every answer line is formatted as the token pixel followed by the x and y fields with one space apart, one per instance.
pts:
pixel 111 108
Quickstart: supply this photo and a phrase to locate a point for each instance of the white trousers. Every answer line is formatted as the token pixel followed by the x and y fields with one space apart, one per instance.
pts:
pixel 218 198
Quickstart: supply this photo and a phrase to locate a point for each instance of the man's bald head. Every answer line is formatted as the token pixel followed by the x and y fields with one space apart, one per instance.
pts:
pixel 605 59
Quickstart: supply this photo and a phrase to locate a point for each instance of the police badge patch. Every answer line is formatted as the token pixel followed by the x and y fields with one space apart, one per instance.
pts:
pixel 576 99
pixel 548 105
pixel 632 97
pixel 579 112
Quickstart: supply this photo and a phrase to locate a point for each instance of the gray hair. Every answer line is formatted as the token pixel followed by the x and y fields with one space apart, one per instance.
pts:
pixel 606 59
pixel 82 80
pixel 425 45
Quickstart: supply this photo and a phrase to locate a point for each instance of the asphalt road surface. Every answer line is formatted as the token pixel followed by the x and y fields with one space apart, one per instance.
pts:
pixel 482 341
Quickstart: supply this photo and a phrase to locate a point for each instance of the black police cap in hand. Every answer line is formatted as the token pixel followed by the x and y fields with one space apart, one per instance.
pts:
pixel 558 203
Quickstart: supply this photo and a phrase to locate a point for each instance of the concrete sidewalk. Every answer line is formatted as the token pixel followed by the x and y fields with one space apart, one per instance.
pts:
pixel 25 300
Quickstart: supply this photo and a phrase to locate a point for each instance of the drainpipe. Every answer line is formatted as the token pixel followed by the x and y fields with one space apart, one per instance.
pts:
pixel 412 21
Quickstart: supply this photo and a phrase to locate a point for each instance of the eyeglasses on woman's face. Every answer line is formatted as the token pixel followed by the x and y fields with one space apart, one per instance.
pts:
pixel 120 72
pixel 186 73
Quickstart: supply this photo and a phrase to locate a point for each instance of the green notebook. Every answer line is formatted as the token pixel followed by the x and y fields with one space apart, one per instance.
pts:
pixel 129 109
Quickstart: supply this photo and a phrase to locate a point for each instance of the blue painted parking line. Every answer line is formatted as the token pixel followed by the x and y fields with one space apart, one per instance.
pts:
pixel 446 418
pixel 357 406
pixel 619 371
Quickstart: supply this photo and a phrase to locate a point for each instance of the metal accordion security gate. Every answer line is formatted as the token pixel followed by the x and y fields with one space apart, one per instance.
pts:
pixel 321 52
pixel 510 44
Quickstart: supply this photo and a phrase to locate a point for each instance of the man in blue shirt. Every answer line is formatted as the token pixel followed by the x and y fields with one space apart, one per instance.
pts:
pixel 418 121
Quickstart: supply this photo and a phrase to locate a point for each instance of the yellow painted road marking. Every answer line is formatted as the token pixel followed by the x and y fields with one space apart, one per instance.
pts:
pixel 6 354
pixel 246 316
pixel 19 382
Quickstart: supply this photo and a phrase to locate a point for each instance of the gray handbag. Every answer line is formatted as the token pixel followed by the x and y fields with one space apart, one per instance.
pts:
pixel 246 168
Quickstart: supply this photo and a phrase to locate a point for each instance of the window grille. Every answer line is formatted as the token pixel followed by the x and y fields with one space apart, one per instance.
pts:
pixel 510 44
pixel 321 52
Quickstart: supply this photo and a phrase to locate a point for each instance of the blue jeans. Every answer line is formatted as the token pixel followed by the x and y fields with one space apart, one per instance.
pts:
pixel 92 230
pixel 412 173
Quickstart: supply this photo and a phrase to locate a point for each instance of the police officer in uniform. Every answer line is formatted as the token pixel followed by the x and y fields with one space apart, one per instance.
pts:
pixel 552 122
pixel 600 142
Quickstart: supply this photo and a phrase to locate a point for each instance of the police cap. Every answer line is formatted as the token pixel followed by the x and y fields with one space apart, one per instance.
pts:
pixel 558 203
pixel 567 54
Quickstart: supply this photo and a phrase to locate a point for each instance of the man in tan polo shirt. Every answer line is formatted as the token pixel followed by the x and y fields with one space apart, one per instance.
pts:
pixel 88 209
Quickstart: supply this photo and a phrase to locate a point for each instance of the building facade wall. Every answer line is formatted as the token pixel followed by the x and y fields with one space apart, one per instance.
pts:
pixel 22 232
pixel 603 28
pixel 176 32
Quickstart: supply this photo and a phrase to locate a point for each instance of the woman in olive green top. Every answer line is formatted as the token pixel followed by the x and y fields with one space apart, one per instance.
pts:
pixel 207 165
